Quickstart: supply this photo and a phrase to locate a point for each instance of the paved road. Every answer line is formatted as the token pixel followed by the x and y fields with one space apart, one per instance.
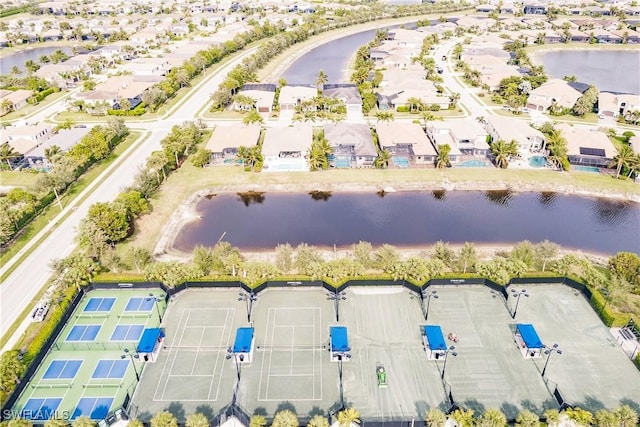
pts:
pixel 30 276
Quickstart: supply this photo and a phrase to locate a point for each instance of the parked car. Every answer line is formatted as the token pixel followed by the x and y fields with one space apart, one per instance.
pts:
pixel 444 57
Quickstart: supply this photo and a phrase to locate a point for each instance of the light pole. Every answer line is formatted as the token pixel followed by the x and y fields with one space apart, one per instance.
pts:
pixel 517 295
pixel 248 298
pixel 451 351
pixel 157 300
pixel 428 296
pixel 336 297
pixel 549 351
pixel 133 356
pixel 341 355
pixel 231 354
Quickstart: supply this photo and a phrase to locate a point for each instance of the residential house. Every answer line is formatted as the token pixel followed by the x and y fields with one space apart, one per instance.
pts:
pixel 606 37
pixel 292 96
pixel 23 139
pixel 466 136
pixel 578 36
pixel 634 142
pixel 614 104
pixel 352 145
pixel 587 147
pixel 64 140
pixel 347 93
pixel 262 94
pixel 628 35
pixel 116 88
pixel 225 141
pixel 285 148
pixel 554 92
pixel 407 143
pixel 402 37
pixel 535 9
pixel 528 139
pixel 13 100
pixel 378 55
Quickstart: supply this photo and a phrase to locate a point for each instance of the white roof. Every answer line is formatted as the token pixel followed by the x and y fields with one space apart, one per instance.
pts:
pixel 296 138
pixel 233 136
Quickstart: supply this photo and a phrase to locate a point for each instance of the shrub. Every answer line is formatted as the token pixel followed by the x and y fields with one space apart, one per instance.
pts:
pixel 402 109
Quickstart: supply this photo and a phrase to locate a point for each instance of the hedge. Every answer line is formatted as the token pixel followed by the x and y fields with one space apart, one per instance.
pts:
pixel 138 111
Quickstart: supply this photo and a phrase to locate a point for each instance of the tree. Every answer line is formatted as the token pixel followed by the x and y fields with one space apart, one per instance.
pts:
pixel 318 421
pixel 626 416
pixel 443 160
pixel 435 418
pixel 453 100
pixel 527 418
pixel 83 421
pixel 252 117
pixel 525 252
pixel 383 159
pixel 552 416
pixel 468 256
pixel 133 202
pixel 546 251
pixel 285 418
pixel 492 418
pixel 164 419
pixel 321 79
pixel 581 416
pixel 623 158
pixel 386 256
pixel 19 422
pixel 135 423
pixel 503 151
pixel 464 418
pixel 384 116
pixel 604 418
pixel 111 219
pixel 137 258
pixel 11 369
pixel 348 416
pixel 201 157
pixel 257 421
pixel 157 162
pixel 626 266
pixel 7 153
pixel 55 422
pixel 197 420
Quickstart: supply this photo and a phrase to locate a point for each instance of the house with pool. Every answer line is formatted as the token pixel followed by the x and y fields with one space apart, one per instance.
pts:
pixel 530 141
pixel 225 141
pixel 285 148
pixel 407 143
pixel 586 147
pixel 352 144
pixel 467 139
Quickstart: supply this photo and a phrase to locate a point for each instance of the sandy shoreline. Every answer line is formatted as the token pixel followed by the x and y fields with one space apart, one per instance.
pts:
pixel 186 213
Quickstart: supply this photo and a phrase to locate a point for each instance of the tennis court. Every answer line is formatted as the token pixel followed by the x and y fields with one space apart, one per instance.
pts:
pixel 85 372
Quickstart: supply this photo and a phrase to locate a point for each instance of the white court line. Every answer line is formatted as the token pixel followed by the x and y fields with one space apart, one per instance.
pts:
pixel 175 356
pixel 215 368
pixel 195 360
pixel 290 375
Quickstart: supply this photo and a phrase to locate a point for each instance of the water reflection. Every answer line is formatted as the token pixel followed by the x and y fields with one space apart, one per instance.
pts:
pixel 546 198
pixel 607 211
pixel 210 196
pixel 252 197
pixel 439 194
pixel 320 195
pixel 499 197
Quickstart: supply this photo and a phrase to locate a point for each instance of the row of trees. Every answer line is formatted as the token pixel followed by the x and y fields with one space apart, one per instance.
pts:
pixel 20 205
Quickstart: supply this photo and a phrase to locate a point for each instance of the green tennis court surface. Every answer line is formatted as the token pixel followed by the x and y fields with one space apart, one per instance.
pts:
pixel 84 372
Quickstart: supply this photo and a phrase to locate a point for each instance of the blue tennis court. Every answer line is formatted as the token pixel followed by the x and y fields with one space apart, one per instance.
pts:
pixel 140 304
pixel 95 408
pixel 111 369
pixel 100 304
pixel 83 333
pixel 40 409
pixel 127 333
pixel 62 369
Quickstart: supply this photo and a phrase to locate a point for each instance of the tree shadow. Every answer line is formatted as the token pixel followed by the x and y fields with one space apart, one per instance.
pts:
pixel 632 404
pixel 546 198
pixel 509 410
pixel 207 411
pixel 499 197
pixel 177 409
pixel 421 408
pixel 478 408
pixel 591 404
pixel 283 406
pixel 530 406
pixel 316 410
pixel 252 197
pixel 144 416
pixel 260 410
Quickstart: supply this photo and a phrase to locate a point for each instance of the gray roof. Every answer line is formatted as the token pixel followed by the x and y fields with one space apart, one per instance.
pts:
pixel 349 94
pixel 357 135
pixel 64 139
pixel 233 136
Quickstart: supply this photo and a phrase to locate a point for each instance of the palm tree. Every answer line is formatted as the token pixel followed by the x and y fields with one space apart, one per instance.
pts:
pixel 453 100
pixel 626 416
pixel 257 421
pixel 252 117
pixel 6 106
pixel 245 102
pixel 435 418
pixel 623 158
pixel 318 421
pixel 492 418
pixel 197 420
pixel 317 158
pixel 503 151
pixel 527 418
pixel 384 116
pixel 468 256
pixel 414 103
pixel 348 416
pixel 285 418
pixel 52 153
pixel 157 162
pixel 383 159
pixel 443 156
pixel 7 153
pixel 242 154
pixel 321 79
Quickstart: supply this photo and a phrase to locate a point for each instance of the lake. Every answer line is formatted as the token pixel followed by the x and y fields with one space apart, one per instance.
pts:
pixel 19 58
pixel 608 70
pixel 408 219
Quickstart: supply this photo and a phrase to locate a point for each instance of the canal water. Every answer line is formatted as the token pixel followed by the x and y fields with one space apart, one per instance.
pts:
pixel 404 219
pixel 19 58
pixel 608 70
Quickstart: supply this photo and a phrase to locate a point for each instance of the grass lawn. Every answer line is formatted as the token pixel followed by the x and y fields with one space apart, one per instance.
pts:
pixel 50 212
pixel 23 178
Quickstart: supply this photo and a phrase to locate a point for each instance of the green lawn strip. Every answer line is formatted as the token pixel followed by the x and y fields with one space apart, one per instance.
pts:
pixel 23 178
pixel 30 109
pixel 50 213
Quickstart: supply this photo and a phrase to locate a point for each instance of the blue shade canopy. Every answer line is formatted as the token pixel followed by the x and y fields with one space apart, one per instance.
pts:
pixel 529 335
pixel 435 339
pixel 244 337
pixel 339 340
pixel 148 340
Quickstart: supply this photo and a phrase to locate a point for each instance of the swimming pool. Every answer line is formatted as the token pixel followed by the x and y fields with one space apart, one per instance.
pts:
pixel 472 164
pixel 537 161
pixel 579 168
